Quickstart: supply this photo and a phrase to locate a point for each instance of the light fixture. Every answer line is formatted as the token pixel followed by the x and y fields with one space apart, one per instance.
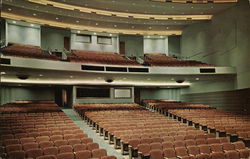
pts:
pixel 94 33
pixel 133 27
pixel 167 27
pixel 149 28
pixel 172 79
pixel 32 25
pixel 77 21
pixel 110 34
pixel 161 36
pixel 148 79
pixel 14 22
pixel 78 31
pixel 57 18
pixel 3 73
pixel 172 6
pixel 96 23
pixel 34 14
pixel 148 36
pixel 115 25
pixel 197 79
pixel 40 75
pixel 9 9
pixel 71 76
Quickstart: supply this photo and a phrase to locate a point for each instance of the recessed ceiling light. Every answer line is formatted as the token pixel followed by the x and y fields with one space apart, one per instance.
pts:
pixel 34 14
pixel 150 28
pixel 148 79
pixel 161 36
pixel 57 18
pixel 192 7
pixel 3 73
pixel 32 25
pixel 212 6
pixel 71 76
pixel 133 27
pixel 110 34
pixel 14 22
pixel 78 31
pixel 167 27
pixel 94 33
pixel 115 26
pixel 148 36
pixel 40 75
pixel 96 23
pixel 77 21
pixel 9 9
pixel 197 79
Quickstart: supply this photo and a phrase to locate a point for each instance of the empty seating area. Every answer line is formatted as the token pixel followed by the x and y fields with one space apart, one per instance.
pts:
pixel 236 126
pixel 95 57
pixel 147 134
pixel 163 60
pixel 30 107
pixel 27 51
pixel 163 106
pixel 44 134
pixel 81 108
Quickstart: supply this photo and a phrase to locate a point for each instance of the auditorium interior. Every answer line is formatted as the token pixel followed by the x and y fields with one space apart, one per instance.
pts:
pixel 125 79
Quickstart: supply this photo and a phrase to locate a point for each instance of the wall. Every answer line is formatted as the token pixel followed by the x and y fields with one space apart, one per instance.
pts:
pixel 94 46
pixel 223 41
pixel 11 93
pixel 160 93
pixel 53 38
pixel 112 99
pixel 133 44
pixel 174 45
pixel 155 45
pixel 230 100
pixel 23 34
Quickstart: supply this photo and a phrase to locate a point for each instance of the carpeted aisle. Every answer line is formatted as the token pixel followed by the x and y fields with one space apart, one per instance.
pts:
pixel 91 133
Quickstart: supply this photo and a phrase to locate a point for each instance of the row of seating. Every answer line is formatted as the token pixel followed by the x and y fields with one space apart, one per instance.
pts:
pixel 224 122
pixel 29 107
pixel 126 129
pixel 27 51
pixel 44 135
pixel 81 108
pixel 163 60
pixel 95 57
pixel 163 105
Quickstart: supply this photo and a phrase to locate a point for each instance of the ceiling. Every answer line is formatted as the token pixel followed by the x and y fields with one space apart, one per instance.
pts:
pixel 116 16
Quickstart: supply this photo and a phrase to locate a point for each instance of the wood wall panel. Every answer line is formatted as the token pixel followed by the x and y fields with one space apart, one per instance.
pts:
pixel 230 100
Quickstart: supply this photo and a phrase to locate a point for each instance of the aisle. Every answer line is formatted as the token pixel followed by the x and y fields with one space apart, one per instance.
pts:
pixel 91 133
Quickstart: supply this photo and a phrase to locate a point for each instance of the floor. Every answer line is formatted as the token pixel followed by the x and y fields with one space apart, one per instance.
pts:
pixel 91 133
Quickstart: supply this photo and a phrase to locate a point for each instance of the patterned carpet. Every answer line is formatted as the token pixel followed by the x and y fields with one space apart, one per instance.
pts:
pixel 91 133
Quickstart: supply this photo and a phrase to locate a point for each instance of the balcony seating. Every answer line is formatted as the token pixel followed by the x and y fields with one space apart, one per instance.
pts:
pixel 163 60
pixel 27 51
pixel 95 57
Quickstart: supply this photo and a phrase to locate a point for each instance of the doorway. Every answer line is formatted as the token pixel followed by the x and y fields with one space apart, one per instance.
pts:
pixel 122 47
pixel 66 43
